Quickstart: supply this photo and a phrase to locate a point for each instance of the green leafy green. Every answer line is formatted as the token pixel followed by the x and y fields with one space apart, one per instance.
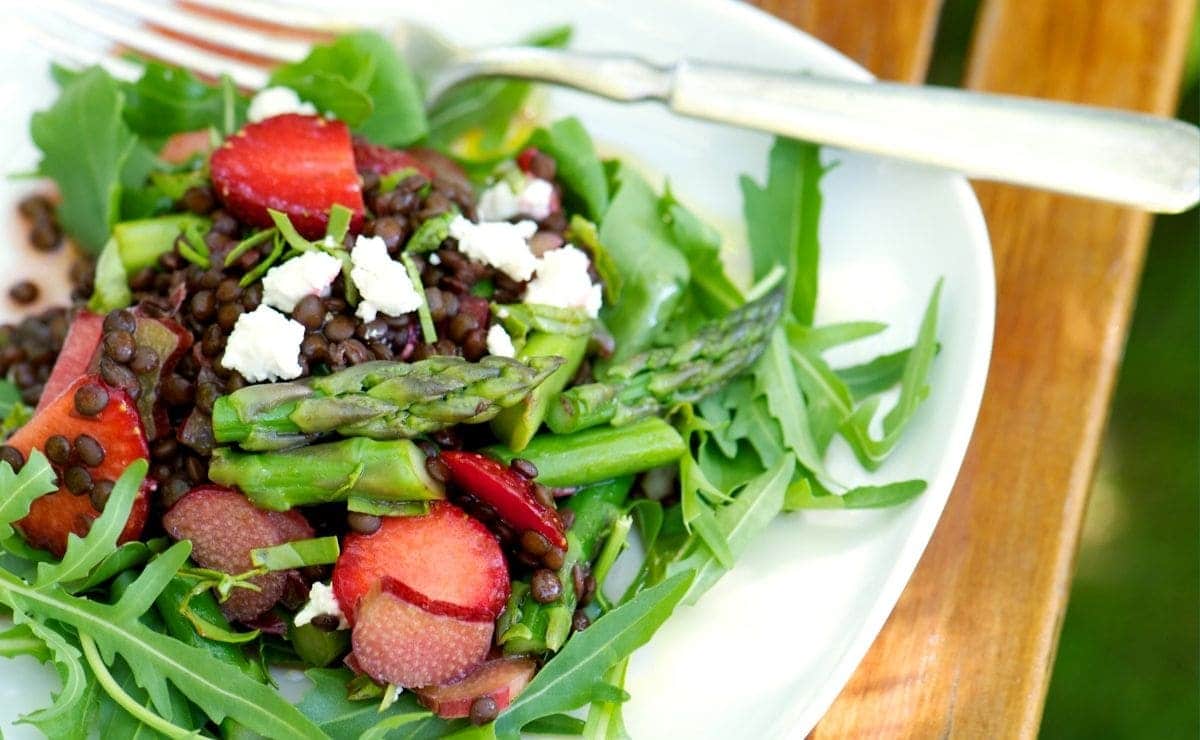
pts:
pixel 167 100
pixel 775 379
pixel 875 376
pixel 782 218
pixel 554 724
pixel 801 495
pixel 297 554
pixel 361 79
pixel 90 178
pixel 431 233
pixel 424 314
pixel 71 712
pixel 714 293
pixel 329 707
pixel 128 555
pixel 821 338
pixel 654 271
pixel 84 554
pixel 18 490
pixel 157 659
pixel 20 639
pixel 569 679
pixel 579 169
pixel 481 121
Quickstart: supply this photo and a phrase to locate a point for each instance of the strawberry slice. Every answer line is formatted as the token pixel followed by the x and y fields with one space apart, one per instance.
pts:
pixel 83 338
pixel 508 492
pixel 300 165
pixel 396 641
pixel 118 430
pixel 224 527
pixel 383 160
pixel 501 679
pixel 450 562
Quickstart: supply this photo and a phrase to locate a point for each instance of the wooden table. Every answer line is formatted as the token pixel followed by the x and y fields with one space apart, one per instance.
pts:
pixel 969 648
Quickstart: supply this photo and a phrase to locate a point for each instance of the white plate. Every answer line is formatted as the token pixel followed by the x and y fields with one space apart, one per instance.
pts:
pixel 768 649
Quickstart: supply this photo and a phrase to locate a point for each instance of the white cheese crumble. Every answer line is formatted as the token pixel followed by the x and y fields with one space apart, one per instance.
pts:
pixel 275 101
pixel 500 202
pixel 308 274
pixel 499 343
pixel 264 345
pixel 321 600
pixel 502 245
pixel 562 280
pixel 383 283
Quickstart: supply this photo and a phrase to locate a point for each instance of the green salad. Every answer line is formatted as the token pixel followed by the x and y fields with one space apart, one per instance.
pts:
pixel 383 394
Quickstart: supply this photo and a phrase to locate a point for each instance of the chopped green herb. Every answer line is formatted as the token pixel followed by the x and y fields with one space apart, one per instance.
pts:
pixel 431 233
pixel 428 330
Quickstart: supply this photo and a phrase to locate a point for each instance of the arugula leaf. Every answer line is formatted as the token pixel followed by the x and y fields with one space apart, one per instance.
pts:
pixel 569 678
pixel 821 338
pixel 876 376
pixel 71 712
pixel 554 724
pixel 125 557
pixel 740 522
pixel 604 719
pixel 361 79
pixel 166 100
pixel 914 387
pixel 18 490
pixel 801 495
pixel 20 639
pixel 328 706
pixel 157 659
pixel 782 218
pixel 89 177
pixel 482 121
pixel 84 554
pixel 654 271
pixel 775 379
pixel 579 169
pixel 701 245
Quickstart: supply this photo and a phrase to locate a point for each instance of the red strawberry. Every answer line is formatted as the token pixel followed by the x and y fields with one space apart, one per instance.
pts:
pixel 501 679
pixel 224 527
pixel 300 165
pixel 450 562
pixel 381 160
pixel 395 641
pixel 118 430
pixel 83 338
pixel 508 492
pixel 525 158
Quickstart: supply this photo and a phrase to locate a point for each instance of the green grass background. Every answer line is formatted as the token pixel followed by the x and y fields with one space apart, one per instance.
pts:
pixel 1128 661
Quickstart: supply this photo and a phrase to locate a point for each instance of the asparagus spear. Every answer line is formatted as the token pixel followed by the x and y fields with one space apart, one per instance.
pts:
pixel 379 400
pixel 653 381
pixel 391 471
pixel 528 626
pixel 594 455
pixel 517 424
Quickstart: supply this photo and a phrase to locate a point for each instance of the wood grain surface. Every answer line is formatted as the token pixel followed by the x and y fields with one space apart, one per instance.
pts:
pixel 969 649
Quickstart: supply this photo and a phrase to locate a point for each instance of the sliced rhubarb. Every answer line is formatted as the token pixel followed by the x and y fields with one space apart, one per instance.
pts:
pixel 450 561
pixel 396 641
pixel 224 527
pixel 501 679
pixel 505 490
pixel 300 165
pixel 118 429
pixel 83 339
pixel 181 147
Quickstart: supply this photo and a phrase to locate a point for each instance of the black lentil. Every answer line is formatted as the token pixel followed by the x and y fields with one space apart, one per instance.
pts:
pixel 363 523
pixel 534 543
pixel 545 586
pixel 100 493
pixel 325 622
pixel 483 710
pixel 77 480
pixel 580 621
pixel 57 449
pixel 119 346
pixel 339 328
pixel 553 558
pixel 13 457
pixel 117 375
pixel 88 450
pixel 524 468
pixel 310 312
pixel 145 360
pixel 24 292
pixel 437 469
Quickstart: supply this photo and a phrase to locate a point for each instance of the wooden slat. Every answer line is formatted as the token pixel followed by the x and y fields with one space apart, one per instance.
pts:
pixel 969 649
pixel 892 38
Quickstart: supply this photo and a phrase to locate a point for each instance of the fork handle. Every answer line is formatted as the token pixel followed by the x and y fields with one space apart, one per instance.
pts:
pixel 1129 158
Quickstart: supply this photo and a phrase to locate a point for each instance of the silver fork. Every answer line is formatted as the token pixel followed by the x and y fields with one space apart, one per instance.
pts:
pixel 1128 158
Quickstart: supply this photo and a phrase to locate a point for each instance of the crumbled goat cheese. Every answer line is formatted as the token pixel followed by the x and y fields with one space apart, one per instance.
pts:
pixel 275 101
pixel 500 202
pixel 562 280
pixel 308 274
pixel 321 600
pixel 383 283
pixel 499 343
pixel 502 245
pixel 264 345
pixel 434 259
